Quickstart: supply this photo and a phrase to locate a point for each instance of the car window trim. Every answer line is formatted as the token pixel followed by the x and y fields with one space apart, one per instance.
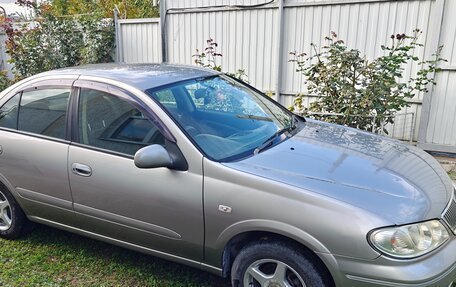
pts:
pixel 124 95
pixel 18 109
pixel 72 124
pixel 39 136
pixel 50 83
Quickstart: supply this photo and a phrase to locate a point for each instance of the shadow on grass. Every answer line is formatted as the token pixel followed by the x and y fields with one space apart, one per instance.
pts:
pixel 113 265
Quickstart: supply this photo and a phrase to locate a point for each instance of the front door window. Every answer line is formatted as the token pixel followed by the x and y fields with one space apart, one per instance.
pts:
pixel 114 124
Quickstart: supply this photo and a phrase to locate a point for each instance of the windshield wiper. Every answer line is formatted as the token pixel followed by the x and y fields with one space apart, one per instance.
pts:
pixel 270 140
pixel 278 133
pixel 253 117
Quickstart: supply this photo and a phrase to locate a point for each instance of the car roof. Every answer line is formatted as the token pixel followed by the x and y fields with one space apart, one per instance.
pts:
pixel 140 76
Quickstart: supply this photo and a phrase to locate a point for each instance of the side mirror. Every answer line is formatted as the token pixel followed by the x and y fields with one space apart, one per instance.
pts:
pixel 153 156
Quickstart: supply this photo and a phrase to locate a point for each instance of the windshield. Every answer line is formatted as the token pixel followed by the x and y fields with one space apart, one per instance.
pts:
pixel 224 118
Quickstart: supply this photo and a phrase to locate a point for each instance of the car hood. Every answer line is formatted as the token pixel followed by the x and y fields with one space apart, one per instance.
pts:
pixel 396 181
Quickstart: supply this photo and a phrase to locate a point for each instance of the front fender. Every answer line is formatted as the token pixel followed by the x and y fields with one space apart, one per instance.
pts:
pixel 214 251
pixel 271 226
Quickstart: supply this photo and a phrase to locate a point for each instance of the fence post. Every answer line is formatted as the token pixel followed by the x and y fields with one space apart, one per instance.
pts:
pixel 164 37
pixel 437 22
pixel 279 64
pixel 412 131
pixel 116 27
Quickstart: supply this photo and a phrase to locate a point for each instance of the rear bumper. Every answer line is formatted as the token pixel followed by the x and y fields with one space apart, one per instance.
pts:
pixel 436 269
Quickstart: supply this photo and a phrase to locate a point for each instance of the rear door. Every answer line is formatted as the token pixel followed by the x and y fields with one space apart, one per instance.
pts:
pixel 157 208
pixel 34 145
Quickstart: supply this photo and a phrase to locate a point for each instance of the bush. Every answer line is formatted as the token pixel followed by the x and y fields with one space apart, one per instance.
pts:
pixel 51 42
pixel 363 94
pixel 5 82
pixel 127 8
pixel 208 59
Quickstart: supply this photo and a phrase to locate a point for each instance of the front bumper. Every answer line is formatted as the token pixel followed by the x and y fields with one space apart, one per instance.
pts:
pixel 436 269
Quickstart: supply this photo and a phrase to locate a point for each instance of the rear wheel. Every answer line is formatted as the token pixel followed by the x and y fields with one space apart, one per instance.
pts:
pixel 12 218
pixel 271 264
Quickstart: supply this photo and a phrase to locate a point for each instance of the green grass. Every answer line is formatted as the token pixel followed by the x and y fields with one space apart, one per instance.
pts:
pixel 50 257
pixel 452 175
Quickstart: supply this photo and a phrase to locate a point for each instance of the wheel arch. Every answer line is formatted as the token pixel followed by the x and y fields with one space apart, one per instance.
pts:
pixel 4 183
pixel 231 242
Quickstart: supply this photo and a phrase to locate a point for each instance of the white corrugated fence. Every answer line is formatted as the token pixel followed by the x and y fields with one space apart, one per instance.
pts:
pixel 257 35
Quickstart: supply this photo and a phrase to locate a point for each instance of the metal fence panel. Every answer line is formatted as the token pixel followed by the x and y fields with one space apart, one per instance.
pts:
pixel 140 40
pixel 247 40
pixel 440 132
pixel 363 26
pixel 247 32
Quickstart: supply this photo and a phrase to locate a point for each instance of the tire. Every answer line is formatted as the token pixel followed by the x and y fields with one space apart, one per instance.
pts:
pixel 276 264
pixel 12 219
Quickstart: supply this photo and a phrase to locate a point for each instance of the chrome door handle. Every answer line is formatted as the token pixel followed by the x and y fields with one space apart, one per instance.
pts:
pixel 81 169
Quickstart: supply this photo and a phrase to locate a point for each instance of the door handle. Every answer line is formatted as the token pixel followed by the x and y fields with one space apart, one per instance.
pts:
pixel 81 169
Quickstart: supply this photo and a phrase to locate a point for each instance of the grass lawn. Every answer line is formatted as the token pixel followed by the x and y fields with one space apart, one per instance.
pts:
pixel 50 257
pixel 452 174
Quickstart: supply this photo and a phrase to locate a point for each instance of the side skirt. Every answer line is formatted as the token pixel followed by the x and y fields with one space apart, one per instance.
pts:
pixel 170 257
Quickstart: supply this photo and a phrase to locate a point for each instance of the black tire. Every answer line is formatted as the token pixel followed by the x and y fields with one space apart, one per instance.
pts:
pixel 14 212
pixel 300 268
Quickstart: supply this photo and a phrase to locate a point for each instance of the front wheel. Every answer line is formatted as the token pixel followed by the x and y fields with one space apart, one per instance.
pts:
pixel 271 264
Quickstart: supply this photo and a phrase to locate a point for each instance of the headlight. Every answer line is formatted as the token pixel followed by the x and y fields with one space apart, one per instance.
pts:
pixel 409 241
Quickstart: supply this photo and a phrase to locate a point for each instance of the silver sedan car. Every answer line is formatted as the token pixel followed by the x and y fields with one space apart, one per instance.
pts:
pixel 196 167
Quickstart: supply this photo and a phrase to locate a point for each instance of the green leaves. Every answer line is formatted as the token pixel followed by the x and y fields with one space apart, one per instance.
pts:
pixel 363 94
pixel 99 40
pixel 5 82
pixel 128 8
pixel 209 58
pixel 52 42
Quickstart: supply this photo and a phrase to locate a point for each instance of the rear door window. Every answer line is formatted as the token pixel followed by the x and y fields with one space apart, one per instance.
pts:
pixel 44 112
pixel 41 111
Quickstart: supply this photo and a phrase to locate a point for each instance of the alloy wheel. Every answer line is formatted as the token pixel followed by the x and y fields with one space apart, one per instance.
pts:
pixel 271 273
pixel 5 213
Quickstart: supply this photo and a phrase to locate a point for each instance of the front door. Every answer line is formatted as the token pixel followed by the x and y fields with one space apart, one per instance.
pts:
pixel 157 208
